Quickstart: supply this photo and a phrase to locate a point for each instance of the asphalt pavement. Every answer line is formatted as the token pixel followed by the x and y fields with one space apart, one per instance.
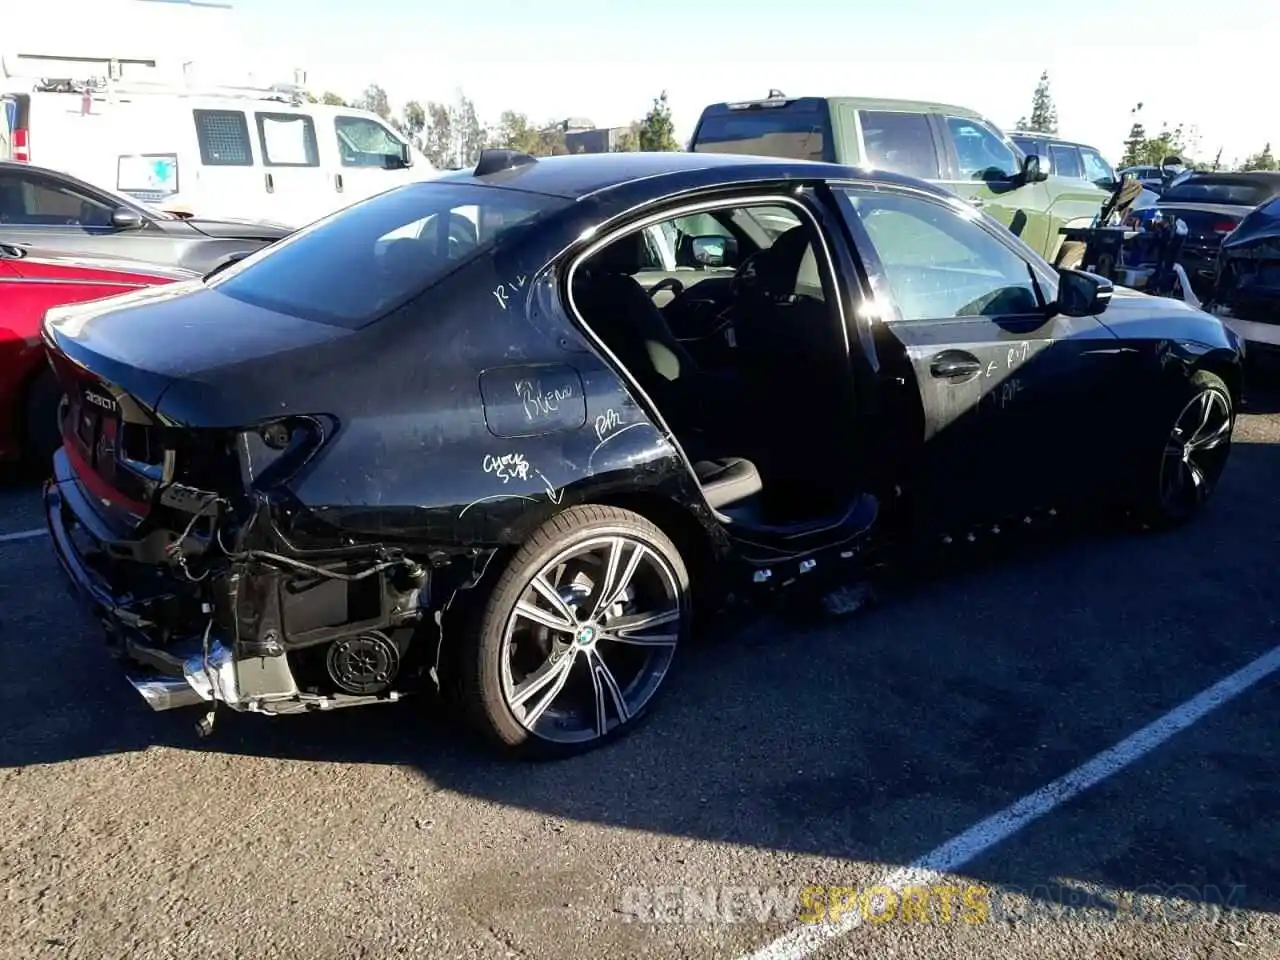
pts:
pixel 781 758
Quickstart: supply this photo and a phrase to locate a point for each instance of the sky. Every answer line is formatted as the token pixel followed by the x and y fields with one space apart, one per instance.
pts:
pixel 607 61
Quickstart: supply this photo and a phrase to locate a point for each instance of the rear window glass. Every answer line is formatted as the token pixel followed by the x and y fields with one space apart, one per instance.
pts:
pixel 1210 190
pixel 793 131
pixel 365 261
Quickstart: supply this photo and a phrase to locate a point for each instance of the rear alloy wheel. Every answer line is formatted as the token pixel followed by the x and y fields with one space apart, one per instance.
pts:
pixel 1194 454
pixel 578 634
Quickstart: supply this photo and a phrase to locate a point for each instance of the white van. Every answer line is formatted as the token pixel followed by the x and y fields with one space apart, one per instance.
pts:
pixel 252 155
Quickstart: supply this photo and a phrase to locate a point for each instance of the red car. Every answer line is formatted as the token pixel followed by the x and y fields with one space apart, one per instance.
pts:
pixel 30 283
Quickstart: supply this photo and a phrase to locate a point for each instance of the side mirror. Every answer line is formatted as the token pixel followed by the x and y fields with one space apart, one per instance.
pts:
pixel 714 251
pixel 122 218
pixel 1032 170
pixel 1082 294
pixel 399 161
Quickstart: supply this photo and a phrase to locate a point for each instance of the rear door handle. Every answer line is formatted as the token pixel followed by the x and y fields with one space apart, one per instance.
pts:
pixel 337 182
pixel 955 365
pixel 271 183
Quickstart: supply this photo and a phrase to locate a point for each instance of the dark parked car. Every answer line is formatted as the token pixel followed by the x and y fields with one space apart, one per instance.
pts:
pixel 66 216
pixel 1248 284
pixel 497 465
pixel 1212 206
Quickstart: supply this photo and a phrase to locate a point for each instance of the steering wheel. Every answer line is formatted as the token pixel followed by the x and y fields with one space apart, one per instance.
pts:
pixel 667 283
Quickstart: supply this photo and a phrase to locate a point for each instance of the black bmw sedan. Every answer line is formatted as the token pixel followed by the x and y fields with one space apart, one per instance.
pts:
pixel 503 433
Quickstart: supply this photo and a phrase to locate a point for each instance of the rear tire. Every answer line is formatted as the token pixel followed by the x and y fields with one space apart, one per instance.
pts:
pixel 577 636
pixel 1179 471
pixel 41 435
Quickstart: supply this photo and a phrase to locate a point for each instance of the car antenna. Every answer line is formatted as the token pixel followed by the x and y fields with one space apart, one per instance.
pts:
pixel 495 161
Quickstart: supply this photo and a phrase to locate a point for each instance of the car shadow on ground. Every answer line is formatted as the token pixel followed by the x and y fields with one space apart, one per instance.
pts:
pixel 871 739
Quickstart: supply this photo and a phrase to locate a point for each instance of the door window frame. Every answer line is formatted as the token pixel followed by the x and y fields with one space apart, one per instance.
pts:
pixel 940 147
pixel 885 308
pixel 1057 145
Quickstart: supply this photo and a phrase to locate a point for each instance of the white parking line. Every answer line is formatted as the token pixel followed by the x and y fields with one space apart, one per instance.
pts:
pixel 955 853
pixel 23 535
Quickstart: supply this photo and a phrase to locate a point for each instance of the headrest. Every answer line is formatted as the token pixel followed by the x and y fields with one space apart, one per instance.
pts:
pixel 625 255
pixel 779 267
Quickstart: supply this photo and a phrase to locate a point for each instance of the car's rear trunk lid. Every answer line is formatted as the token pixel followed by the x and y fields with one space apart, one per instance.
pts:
pixel 116 359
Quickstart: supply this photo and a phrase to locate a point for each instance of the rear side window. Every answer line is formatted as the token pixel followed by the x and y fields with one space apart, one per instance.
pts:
pixel 982 154
pixel 789 130
pixel 287 140
pixel 900 142
pixel 224 138
pixel 1066 160
pixel 361 263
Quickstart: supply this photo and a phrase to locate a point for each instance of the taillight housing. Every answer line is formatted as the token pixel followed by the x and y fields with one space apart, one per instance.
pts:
pixel 1223 227
pixel 22 145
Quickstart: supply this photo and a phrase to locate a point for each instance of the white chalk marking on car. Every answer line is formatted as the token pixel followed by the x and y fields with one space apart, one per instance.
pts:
pixel 23 535
pixel 955 853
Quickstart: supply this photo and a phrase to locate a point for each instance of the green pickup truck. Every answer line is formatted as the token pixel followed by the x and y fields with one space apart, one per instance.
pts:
pixel 953 147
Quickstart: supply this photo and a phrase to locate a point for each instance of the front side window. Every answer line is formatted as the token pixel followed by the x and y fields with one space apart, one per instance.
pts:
pixel 287 140
pixel 1066 161
pixel 366 143
pixel 941 263
pixel 224 138
pixel 982 154
pixel 365 261
pixel 36 201
pixel 900 142
pixel 1095 168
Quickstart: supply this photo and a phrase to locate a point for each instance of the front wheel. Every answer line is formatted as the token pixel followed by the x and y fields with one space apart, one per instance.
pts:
pixel 578 634
pixel 1195 443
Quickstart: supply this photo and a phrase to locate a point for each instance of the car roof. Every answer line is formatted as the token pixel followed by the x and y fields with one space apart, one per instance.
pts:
pixel 858 103
pixel 1039 135
pixel 582 175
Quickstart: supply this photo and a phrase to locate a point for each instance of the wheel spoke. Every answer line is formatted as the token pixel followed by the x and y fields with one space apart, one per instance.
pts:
pixel 1213 438
pixel 549 594
pixel 626 629
pixel 544 617
pixel 606 689
pixel 545 683
pixel 1199 483
pixel 1206 402
pixel 617 577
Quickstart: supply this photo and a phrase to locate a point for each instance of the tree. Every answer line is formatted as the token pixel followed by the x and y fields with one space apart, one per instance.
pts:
pixel 1217 161
pixel 657 131
pixel 468 134
pixel 1044 115
pixel 514 132
pixel 375 100
pixel 413 120
pixel 332 100
pixel 437 135
pixel 1264 160
pixel 629 140
pixel 1134 143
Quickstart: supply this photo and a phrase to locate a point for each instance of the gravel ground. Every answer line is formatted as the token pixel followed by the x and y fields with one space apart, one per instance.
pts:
pixel 780 757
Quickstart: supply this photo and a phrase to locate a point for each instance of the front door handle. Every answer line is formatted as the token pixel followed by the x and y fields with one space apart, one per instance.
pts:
pixel 976 201
pixel 955 365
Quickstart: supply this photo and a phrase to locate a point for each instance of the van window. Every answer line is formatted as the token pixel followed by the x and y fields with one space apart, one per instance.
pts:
pixel 398 243
pixel 224 138
pixel 364 143
pixel 901 143
pixel 789 130
pixel 287 140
